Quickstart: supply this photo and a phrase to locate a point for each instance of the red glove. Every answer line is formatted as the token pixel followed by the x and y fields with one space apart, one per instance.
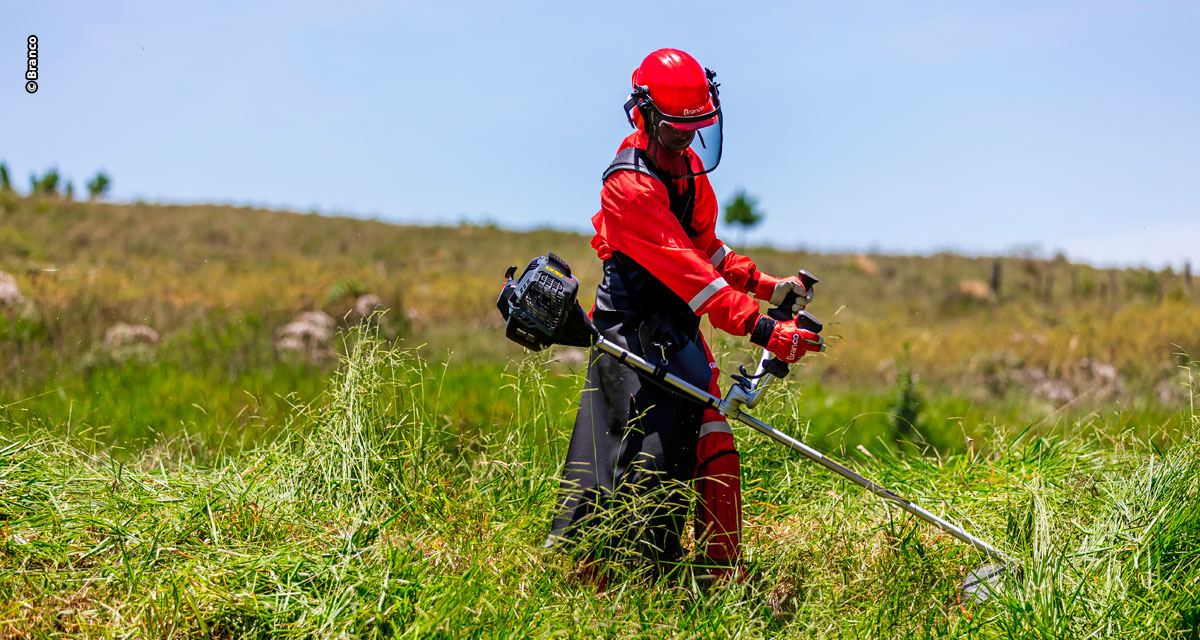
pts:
pixel 784 339
pixel 774 290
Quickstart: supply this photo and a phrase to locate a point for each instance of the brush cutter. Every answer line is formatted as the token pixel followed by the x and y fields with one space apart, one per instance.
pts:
pixel 540 309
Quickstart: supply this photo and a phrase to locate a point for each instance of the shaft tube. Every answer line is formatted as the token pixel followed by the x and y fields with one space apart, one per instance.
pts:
pixel 882 492
pixel 635 362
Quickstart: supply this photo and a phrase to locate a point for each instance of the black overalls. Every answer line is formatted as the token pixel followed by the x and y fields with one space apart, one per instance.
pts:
pixel 625 484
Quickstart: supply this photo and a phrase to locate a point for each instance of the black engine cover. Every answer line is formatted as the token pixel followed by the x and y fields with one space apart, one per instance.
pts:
pixel 540 307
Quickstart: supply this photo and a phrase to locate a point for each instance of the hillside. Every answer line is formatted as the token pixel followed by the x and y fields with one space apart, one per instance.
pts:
pixel 204 433
pixel 218 283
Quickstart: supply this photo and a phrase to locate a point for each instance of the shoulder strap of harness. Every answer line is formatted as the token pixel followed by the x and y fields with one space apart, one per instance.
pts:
pixel 634 159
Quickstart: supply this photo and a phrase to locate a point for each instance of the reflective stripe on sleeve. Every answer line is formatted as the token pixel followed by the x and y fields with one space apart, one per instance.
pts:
pixel 718 257
pixel 707 292
pixel 716 426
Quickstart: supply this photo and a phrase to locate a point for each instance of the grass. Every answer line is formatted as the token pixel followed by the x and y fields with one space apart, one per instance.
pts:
pixel 373 515
pixel 196 268
pixel 211 487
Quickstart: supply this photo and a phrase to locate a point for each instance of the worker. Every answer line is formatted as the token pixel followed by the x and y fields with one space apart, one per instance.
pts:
pixel 637 451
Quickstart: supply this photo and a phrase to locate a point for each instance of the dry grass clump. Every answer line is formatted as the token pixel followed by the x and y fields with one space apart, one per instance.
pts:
pixel 366 307
pixel 308 335
pixel 10 295
pixel 122 334
pixel 975 289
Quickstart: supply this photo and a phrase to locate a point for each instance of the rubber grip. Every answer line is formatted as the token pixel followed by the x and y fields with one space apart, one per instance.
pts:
pixel 783 311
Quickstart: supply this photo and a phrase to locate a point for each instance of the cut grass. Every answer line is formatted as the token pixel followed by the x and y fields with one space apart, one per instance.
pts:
pixel 373 515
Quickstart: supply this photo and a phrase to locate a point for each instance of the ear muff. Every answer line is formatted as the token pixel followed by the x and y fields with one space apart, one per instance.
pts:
pixel 639 110
pixel 712 86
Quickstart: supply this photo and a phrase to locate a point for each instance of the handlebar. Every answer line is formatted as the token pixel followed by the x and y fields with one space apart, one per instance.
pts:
pixel 783 311
pixel 769 364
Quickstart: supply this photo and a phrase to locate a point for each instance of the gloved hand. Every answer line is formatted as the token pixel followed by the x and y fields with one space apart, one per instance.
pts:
pixel 784 339
pixel 774 290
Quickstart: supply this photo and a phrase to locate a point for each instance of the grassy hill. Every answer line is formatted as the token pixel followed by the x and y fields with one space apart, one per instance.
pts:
pixel 217 283
pixel 195 478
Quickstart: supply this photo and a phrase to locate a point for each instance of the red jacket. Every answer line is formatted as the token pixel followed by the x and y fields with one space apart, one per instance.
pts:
pixel 635 218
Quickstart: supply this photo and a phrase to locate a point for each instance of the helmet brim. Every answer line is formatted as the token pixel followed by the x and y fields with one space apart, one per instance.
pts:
pixel 690 124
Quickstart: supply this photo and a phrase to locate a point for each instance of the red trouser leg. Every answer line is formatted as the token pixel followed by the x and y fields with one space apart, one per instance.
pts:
pixel 719 482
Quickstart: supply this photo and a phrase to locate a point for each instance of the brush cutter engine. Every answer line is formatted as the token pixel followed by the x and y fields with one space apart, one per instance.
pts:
pixel 540 307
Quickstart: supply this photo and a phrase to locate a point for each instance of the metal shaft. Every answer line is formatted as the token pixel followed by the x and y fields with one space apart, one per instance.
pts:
pixel 635 362
pixel 882 492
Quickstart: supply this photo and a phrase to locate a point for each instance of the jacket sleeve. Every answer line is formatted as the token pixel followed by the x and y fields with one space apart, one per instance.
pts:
pixel 739 271
pixel 636 220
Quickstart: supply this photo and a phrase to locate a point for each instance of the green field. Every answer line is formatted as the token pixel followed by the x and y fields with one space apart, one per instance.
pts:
pixel 208 484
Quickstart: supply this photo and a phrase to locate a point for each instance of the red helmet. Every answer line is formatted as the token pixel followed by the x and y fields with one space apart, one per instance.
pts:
pixel 671 89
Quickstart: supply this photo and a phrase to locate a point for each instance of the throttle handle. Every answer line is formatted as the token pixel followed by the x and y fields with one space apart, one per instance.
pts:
pixel 807 279
pixel 784 310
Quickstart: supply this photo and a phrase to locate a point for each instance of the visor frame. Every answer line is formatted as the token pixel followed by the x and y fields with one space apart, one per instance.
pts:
pixel 690 123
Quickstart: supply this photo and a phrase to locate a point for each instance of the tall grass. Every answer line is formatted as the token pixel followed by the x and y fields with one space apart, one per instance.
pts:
pixel 376 514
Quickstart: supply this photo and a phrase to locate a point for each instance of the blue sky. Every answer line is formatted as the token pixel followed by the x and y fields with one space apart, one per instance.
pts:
pixel 906 127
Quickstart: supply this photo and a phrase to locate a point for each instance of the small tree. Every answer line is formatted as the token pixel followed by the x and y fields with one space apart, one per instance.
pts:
pixel 70 191
pixel 98 186
pixel 743 213
pixel 47 185
pixel 5 182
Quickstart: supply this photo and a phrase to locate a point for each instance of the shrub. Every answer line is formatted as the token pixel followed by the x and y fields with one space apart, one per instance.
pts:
pixel 98 186
pixel 47 185
pixel 906 408
pixel 349 287
pixel 1142 282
